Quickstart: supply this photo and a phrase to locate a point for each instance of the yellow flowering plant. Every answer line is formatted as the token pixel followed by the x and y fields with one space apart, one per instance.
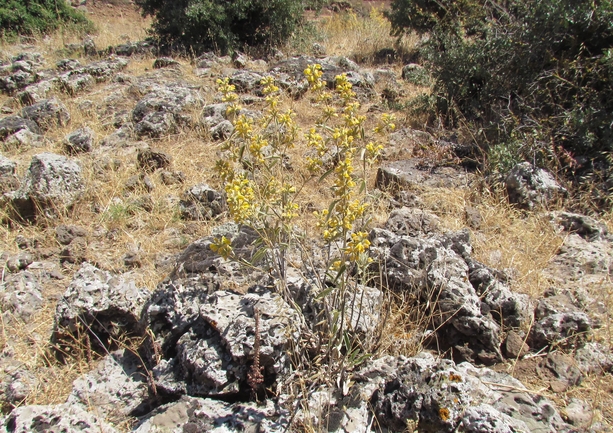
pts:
pixel 261 194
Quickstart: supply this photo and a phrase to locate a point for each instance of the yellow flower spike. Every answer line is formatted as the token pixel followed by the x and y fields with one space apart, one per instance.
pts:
pixel 243 126
pixel 241 199
pixel 313 74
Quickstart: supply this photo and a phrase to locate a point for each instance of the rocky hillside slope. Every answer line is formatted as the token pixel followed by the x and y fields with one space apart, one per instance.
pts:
pixel 117 315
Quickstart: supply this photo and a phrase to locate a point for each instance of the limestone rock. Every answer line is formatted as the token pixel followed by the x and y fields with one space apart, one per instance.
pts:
pixel 53 183
pixel 559 321
pixel 530 187
pixel 101 304
pixel 444 397
pixel 164 108
pixel 18 386
pixel 411 222
pixel 152 159
pixel 66 233
pixel 79 141
pixel 60 418
pixel 115 389
pixel 13 124
pixel 585 226
pixel 416 175
pixel 21 294
pixel 165 62
pixel 201 202
pixel 191 414
pixel 73 82
pixel 47 113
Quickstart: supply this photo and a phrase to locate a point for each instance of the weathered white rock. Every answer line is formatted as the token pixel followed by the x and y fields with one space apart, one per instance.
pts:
pixel 115 389
pixel 60 418
pixel 530 187
pixel 53 184
pixel 101 304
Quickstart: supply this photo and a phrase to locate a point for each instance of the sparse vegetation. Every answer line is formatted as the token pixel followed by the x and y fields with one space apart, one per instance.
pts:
pixel 530 80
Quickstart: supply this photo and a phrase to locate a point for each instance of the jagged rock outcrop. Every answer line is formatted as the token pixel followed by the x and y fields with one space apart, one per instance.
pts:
pixel 53 184
pixel 201 202
pixel 61 418
pixel 102 306
pixel 47 113
pixel 530 187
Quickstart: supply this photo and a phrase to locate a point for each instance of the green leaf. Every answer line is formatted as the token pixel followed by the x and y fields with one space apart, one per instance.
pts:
pixel 259 255
pixel 326 174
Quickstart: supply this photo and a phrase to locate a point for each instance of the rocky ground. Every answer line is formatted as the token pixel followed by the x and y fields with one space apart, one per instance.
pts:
pixel 117 316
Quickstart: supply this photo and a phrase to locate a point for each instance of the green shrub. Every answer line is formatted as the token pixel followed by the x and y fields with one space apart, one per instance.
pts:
pixel 26 17
pixel 539 73
pixel 225 26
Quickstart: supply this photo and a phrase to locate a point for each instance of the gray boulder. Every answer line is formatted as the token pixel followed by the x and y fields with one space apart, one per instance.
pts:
pixel 37 92
pixel 149 159
pixel 47 113
pixel 53 184
pixel 412 222
pixel 59 418
pixel 18 385
pixel 593 358
pixel 247 81
pixel 222 130
pixel 8 179
pixel 21 294
pixel 7 167
pixel 440 396
pixel 434 269
pixel 165 108
pixel 104 69
pixel 156 124
pixel 13 124
pixel 76 81
pixel 558 321
pixel 201 202
pixel 80 141
pixel 65 234
pixel 191 414
pixel 134 48
pixel 530 187
pixel 67 64
pixel 116 388
pixel 101 305
pixel 165 62
pixel 208 338
pixel 514 310
pixel 418 175
pixel 587 227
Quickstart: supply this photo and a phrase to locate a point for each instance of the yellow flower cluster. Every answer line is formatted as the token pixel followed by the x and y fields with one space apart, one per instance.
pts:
pixel 386 124
pixel 357 246
pixel 313 74
pixel 265 199
pixel 241 199
pixel 243 126
pixel 344 88
pixel 223 247
pixel 229 95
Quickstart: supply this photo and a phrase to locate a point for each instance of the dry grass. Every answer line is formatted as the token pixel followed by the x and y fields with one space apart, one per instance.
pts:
pixel 362 34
